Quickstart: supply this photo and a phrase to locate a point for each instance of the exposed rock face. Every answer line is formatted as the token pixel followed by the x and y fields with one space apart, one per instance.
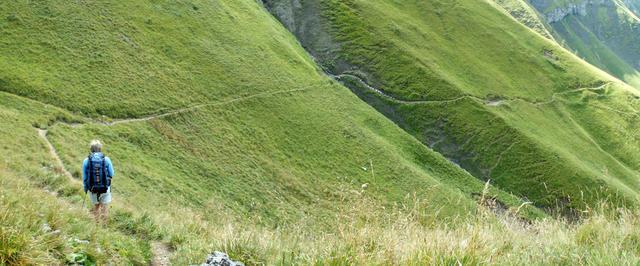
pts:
pixel 220 259
pixel 633 6
pixel 527 15
pixel 574 9
pixel 303 19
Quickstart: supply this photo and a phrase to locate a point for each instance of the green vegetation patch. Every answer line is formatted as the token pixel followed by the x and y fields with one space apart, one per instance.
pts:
pixel 507 120
pixel 133 58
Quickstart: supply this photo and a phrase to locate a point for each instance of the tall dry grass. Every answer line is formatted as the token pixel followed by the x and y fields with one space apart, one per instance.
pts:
pixel 365 233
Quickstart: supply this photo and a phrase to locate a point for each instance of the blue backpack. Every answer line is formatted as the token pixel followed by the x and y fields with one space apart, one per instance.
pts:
pixel 99 182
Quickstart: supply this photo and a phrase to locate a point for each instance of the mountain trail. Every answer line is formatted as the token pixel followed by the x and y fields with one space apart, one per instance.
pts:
pixel 381 93
pixel 484 100
pixel 185 109
pixel 160 251
pixel 43 134
pixel 553 96
pixel 161 254
pixel 500 158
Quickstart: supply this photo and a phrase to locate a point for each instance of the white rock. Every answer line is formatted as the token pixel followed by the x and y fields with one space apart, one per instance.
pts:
pixel 81 241
pixel 45 228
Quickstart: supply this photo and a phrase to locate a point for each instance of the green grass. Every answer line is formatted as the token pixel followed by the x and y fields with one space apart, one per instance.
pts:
pixel 615 60
pixel 271 174
pixel 527 15
pixel 38 228
pixel 418 50
pixel 182 53
pixel 537 151
pixel 606 37
pixel 35 194
pixel 259 155
pixel 253 167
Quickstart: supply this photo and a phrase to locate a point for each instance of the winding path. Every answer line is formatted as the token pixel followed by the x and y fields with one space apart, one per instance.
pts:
pixel 381 93
pixel 161 254
pixel 486 101
pixel 43 134
pixel 185 109
pixel 160 251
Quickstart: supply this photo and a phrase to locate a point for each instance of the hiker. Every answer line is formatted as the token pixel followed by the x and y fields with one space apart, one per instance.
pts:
pixel 96 174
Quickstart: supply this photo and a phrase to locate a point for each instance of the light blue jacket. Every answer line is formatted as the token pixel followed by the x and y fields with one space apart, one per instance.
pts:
pixel 108 170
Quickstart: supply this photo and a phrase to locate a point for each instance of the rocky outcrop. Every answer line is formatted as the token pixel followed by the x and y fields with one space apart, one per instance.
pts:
pixel 526 15
pixel 606 33
pixel 303 18
pixel 633 6
pixel 573 9
pixel 218 258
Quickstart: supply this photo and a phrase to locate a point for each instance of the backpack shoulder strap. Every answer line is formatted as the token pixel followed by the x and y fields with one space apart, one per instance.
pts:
pixel 90 177
pixel 104 164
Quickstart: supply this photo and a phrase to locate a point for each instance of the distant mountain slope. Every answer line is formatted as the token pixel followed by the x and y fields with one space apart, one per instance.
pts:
pixel 483 90
pixel 527 15
pixel 606 33
pixel 633 5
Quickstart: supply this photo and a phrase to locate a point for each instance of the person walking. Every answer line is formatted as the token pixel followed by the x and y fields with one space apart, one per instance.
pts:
pixel 96 175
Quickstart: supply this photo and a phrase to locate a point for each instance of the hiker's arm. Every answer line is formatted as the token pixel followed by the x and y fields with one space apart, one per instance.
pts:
pixel 85 174
pixel 109 167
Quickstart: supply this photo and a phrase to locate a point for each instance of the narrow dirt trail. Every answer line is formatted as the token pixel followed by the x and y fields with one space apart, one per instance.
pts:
pixel 185 109
pixel 553 96
pixel 485 101
pixel 381 93
pixel 161 254
pixel 43 134
pixel 160 251
pixel 89 120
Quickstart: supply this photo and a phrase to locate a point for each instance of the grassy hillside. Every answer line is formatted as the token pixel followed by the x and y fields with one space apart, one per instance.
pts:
pixel 634 6
pixel 364 231
pixel 252 139
pixel 225 135
pixel 40 209
pixel 527 15
pixel 603 33
pixel 493 96
pixel 128 59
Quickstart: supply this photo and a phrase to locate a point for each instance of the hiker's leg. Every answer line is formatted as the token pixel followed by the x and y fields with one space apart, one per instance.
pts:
pixel 96 205
pixel 96 211
pixel 105 200
pixel 105 212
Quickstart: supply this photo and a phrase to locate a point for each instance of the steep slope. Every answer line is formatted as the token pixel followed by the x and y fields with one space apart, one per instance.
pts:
pixel 633 6
pixel 220 127
pixel 41 219
pixel 605 33
pixel 527 15
pixel 485 91
pixel 125 59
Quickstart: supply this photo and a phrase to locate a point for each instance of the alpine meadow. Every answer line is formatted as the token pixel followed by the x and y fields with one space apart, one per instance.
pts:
pixel 321 132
